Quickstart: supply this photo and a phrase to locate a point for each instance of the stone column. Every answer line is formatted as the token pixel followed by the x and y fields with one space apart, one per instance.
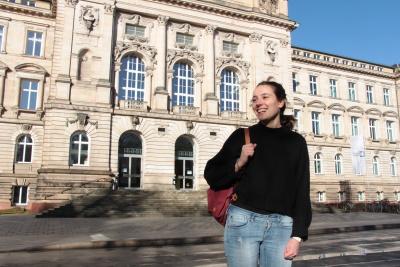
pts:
pixel 257 59
pixel 211 99
pixel 103 86
pixel 2 80
pixel 161 94
pixel 63 80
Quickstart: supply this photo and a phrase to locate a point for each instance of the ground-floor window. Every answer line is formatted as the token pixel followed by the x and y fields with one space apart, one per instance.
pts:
pixel 184 163
pixel 20 195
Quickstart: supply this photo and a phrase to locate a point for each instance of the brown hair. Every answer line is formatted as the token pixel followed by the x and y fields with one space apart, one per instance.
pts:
pixel 287 121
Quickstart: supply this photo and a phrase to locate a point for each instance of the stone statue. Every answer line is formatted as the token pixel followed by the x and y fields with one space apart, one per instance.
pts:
pixel 271 50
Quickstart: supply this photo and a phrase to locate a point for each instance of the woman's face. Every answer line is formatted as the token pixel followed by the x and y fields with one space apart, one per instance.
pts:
pixel 265 104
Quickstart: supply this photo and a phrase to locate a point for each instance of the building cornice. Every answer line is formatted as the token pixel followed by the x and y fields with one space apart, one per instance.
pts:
pixel 298 55
pixel 235 13
pixel 33 11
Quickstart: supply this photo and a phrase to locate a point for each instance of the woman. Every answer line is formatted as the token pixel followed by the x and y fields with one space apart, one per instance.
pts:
pixel 271 213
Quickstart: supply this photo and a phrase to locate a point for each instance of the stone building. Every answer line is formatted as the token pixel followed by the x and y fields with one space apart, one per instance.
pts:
pixel 145 92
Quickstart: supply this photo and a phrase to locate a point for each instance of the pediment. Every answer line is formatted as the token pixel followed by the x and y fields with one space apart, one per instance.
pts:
pixel 373 111
pixel 316 104
pixel 31 68
pixel 390 114
pixel 299 101
pixel 355 109
pixel 337 106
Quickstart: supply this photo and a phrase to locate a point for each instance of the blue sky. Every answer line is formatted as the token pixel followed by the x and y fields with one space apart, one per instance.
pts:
pixel 361 29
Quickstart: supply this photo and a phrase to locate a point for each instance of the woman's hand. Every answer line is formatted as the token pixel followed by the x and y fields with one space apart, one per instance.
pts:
pixel 292 249
pixel 247 151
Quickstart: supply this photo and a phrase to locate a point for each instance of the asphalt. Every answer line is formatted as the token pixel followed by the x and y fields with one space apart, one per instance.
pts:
pixel 27 233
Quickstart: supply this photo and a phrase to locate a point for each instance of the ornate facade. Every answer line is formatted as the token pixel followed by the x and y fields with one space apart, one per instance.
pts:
pixel 145 94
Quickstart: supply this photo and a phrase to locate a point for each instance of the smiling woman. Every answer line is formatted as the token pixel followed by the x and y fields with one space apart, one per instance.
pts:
pixel 272 212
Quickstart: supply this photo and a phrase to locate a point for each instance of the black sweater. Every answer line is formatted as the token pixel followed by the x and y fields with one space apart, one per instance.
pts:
pixel 275 180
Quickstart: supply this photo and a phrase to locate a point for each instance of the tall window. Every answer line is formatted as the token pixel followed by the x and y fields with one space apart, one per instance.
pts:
pixel 393 166
pixel 313 85
pixel 380 196
pixel 372 129
pixel 315 122
pixel 185 39
pixel 229 91
pixel 297 116
pixel 317 163
pixel 29 91
pixel 354 126
pixel 397 196
pixel 386 97
pixel 321 196
pixel 79 149
pixel 20 195
pixel 361 196
pixel 134 30
pixel 338 164
pixel 370 97
pixel 131 77
pixel 335 125
pixel 1 37
pixel 183 85
pixel 295 81
pixel 375 165
pixel 390 131
pixel 24 149
pixel 342 196
pixel 230 47
pixel 352 91
pixel 34 43
pixel 333 88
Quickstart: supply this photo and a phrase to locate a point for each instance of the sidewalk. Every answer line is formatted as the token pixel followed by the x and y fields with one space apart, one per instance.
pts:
pixel 27 233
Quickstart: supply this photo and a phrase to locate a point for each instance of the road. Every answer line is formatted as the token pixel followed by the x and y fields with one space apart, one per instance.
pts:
pixel 369 248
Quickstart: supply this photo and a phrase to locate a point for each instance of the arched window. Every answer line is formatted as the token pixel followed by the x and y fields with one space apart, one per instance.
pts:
pixel 393 166
pixel 375 165
pixel 317 163
pixel 131 79
pixel 79 149
pixel 183 85
pixel 338 164
pixel 229 91
pixel 24 149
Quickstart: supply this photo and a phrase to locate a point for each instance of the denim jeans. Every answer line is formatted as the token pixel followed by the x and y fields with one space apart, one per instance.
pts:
pixel 252 239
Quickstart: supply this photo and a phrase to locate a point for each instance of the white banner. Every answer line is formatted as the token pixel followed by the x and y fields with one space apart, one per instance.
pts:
pixel 358 155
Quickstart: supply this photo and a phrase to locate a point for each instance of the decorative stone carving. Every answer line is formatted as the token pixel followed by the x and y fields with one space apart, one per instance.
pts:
pixel 174 55
pixel 147 51
pixel 210 29
pixel 162 20
pixel 26 127
pixel 71 3
pixel 284 43
pixel 133 19
pixel 221 63
pixel 89 17
pixel 230 37
pixel 83 120
pixel 184 28
pixel 271 51
pixel 255 37
pixel 109 9
pixel 268 6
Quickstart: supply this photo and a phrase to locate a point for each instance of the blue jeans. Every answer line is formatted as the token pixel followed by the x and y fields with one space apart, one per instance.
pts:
pixel 252 239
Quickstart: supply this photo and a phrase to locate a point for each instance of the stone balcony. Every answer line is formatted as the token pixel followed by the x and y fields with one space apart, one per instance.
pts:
pixel 233 114
pixel 133 105
pixel 185 110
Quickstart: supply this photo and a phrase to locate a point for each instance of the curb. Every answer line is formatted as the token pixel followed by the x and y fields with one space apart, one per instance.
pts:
pixel 180 241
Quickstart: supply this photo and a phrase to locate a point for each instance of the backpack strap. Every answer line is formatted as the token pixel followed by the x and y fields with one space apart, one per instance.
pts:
pixel 246 136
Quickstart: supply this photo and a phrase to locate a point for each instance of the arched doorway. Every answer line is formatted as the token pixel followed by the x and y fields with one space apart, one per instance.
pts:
pixel 129 160
pixel 184 175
